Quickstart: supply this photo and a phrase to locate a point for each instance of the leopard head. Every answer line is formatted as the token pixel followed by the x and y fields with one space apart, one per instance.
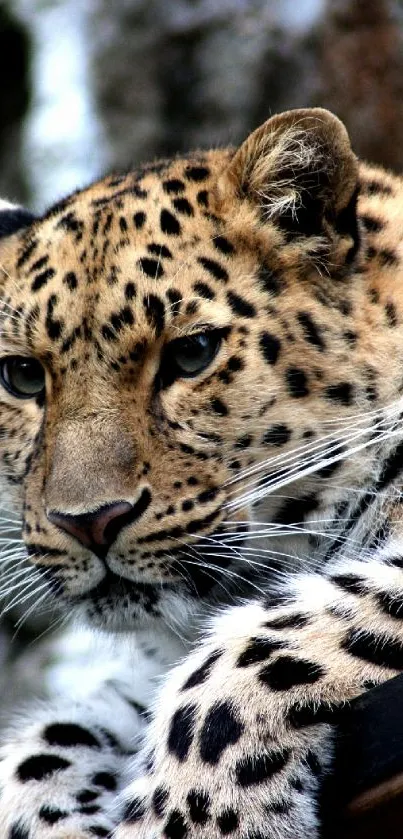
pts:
pixel 166 337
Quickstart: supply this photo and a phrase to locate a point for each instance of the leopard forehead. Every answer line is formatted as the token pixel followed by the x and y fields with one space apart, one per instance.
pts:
pixel 143 251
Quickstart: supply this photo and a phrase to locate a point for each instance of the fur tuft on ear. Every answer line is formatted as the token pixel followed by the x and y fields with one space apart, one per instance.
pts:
pixel 300 169
pixel 13 218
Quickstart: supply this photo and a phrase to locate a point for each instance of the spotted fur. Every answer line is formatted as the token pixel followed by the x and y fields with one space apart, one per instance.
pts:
pixel 252 506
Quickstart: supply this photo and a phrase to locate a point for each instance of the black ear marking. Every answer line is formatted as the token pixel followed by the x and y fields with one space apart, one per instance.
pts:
pixel 13 218
pixel 346 223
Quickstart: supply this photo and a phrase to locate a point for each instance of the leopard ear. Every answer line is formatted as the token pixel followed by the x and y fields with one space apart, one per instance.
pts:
pixel 13 218
pixel 300 169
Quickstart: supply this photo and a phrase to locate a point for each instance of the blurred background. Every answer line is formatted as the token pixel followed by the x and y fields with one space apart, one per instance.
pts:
pixel 94 85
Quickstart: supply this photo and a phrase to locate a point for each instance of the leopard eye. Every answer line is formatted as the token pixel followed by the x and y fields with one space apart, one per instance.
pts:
pixel 188 356
pixel 192 354
pixel 21 376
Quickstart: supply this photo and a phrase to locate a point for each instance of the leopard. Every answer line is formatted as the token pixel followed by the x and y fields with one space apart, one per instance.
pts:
pixel 201 378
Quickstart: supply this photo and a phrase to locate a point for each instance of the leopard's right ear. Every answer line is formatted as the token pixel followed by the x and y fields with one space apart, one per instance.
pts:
pixel 13 218
pixel 301 172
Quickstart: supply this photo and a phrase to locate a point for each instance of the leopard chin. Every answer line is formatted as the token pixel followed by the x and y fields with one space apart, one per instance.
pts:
pixel 119 605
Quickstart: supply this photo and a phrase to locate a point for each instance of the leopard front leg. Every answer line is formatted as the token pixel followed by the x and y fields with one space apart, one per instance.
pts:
pixel 62 767
pixel 243 731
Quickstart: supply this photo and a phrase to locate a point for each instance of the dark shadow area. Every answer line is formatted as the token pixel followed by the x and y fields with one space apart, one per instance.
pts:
pixel 14 102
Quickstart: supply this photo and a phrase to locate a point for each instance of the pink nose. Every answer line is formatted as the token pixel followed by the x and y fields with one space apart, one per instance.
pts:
pixel 98 530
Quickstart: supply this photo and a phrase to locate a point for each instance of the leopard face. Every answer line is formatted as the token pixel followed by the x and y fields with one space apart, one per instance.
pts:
pixel 167 336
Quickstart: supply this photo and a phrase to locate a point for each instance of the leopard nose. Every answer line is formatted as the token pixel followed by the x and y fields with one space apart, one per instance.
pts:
pixel 98 530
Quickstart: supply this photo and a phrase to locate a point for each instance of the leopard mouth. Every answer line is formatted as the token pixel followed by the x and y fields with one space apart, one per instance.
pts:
pixel 195 570
pixel 196 577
